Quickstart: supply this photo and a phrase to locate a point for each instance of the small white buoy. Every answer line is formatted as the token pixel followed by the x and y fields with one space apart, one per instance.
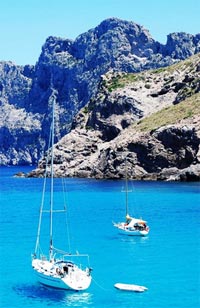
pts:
pixel 130 287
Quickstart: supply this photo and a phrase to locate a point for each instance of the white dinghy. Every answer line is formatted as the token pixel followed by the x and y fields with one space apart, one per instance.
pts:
pixel 130 287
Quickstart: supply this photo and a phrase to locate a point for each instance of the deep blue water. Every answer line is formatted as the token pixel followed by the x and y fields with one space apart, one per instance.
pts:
pixel 166 262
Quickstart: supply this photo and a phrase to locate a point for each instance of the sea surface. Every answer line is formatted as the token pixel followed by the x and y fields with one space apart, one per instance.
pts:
pixel 166 262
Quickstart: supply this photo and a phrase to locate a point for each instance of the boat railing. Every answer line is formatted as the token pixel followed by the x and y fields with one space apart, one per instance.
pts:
pixel 43 257
pixel 66 257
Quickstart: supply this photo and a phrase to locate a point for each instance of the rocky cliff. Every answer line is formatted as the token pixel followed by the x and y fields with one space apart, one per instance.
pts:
pixel 73 69
pixel 151 119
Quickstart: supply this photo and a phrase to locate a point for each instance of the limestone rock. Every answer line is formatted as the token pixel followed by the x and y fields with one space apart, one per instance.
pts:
pixel 73 69
pixel 165 147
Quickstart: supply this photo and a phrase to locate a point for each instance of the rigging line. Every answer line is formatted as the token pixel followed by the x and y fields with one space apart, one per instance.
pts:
pixel 133 201
pixel 66 215
pixel 52 178
pixel 100 285
pixel 43 195
pixel 40 250
pixel 127 209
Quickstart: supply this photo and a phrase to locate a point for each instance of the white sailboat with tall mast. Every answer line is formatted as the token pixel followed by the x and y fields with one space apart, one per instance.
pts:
pixel 57 269
pixel 131 225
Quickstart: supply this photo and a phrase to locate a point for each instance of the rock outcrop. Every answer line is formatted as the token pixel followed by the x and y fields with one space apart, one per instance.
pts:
pixel 151 118
pixel 73 69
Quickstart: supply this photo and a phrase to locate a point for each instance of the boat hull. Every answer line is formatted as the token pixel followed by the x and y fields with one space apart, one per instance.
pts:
pixel 47 274
pixel 123 228
pixel 130 287
pixel 133 232
pixel 51 281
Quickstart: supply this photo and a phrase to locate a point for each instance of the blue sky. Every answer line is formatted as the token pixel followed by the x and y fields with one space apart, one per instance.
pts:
pixel 26 24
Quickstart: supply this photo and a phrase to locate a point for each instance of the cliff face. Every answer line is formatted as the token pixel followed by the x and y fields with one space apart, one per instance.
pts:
pixel 150 118
pixel 73 69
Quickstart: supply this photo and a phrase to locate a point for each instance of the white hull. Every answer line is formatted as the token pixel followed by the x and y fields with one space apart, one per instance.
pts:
pixel 54 282
pixel 129 229
pixel 49 274
pixel 133 232
pixel 130 287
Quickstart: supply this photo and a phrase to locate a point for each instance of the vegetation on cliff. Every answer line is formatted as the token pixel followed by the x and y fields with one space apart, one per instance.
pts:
pixel 186 109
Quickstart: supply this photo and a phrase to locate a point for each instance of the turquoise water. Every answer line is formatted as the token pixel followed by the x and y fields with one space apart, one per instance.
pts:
pixel 166 262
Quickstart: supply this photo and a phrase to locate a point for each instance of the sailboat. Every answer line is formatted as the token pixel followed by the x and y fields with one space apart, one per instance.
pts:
pixel 57 267
pixel 131 225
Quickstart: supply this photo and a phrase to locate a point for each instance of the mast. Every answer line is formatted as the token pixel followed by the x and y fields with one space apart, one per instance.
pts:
pixel 126 188
pixel 52 180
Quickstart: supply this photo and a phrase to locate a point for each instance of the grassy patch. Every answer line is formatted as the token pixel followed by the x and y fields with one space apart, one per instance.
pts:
pixel 182 65
pixel 123 80
pixel 171 115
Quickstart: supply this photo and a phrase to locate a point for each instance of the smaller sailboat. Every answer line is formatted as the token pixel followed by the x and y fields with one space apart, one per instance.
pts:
pixel 57 267
pixel 131 225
